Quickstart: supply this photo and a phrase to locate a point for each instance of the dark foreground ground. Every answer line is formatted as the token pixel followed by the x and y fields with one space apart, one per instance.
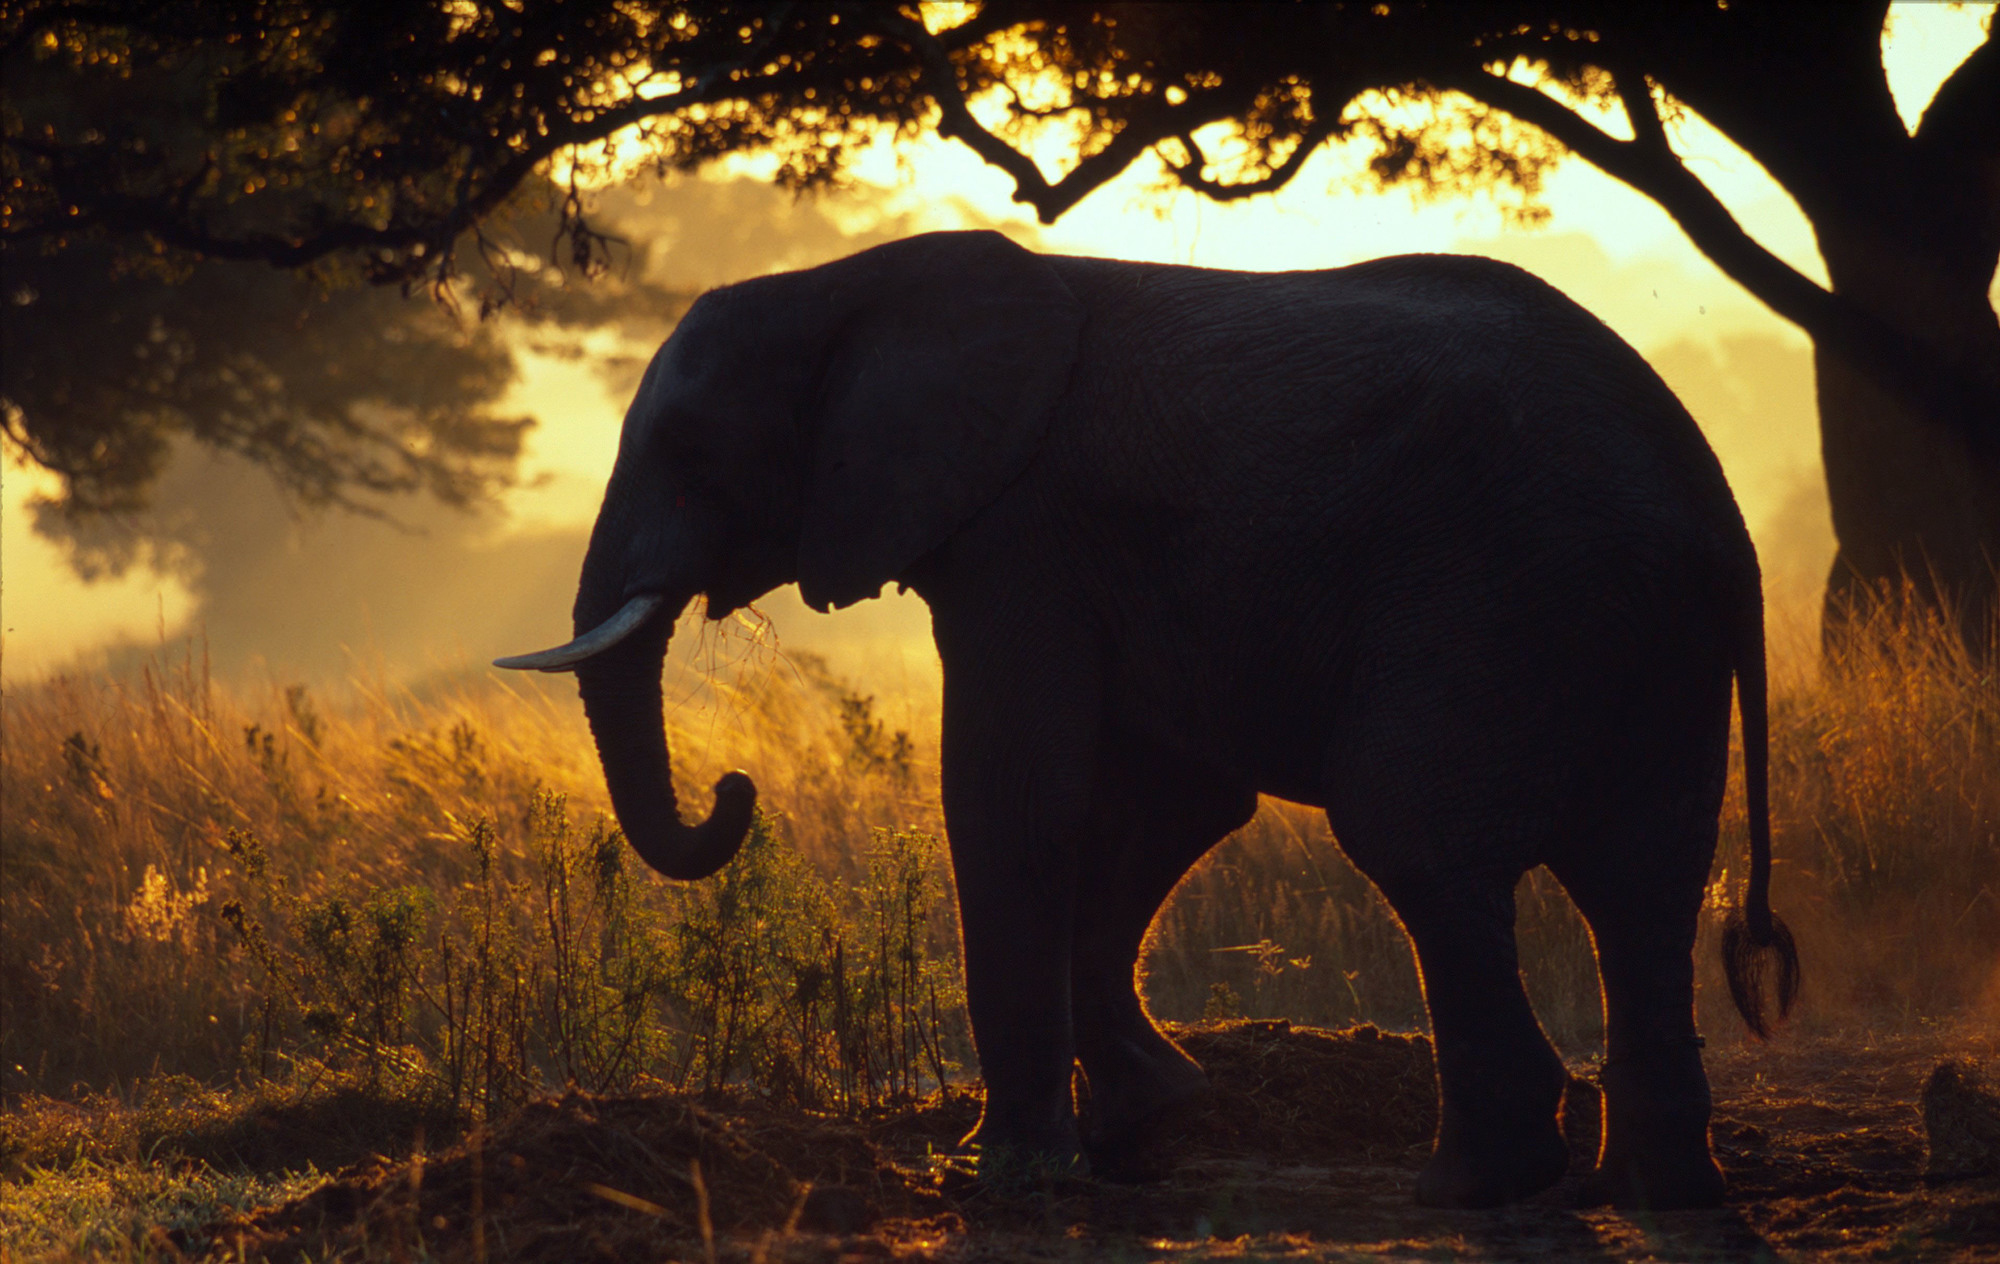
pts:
pixel 1308 1152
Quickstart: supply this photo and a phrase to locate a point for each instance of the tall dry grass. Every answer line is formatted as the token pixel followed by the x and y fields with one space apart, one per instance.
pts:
pixel 229 884
pixel 222 884
pixel 1885 817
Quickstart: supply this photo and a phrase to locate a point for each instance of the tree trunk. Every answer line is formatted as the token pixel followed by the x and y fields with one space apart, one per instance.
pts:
pixel 1915 496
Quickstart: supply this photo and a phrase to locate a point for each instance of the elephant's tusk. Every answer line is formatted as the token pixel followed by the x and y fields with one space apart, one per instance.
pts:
pixel 596 641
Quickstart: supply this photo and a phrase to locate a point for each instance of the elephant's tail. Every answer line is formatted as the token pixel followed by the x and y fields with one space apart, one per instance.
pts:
pixel 1753 932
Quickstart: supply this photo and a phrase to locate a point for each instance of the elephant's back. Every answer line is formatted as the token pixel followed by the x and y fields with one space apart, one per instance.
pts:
pixel 1350 392
pixel 1346 465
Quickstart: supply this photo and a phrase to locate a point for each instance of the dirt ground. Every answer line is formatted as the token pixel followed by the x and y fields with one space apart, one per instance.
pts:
pixel 1308 1151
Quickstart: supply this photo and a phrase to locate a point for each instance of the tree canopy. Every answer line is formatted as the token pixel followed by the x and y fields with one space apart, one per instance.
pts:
pixel 341 396
pixel 387 143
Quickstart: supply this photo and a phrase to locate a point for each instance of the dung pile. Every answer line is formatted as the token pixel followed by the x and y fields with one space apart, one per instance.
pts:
pixel 1307 1095
pixel 1360 1094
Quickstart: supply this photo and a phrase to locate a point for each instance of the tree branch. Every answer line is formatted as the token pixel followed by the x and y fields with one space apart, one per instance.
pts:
pixel 474 199
pixel 1964 114
pixel 1189 173
pixel 1635 93
pixel 142 213
pixel 940 79
pixel 1648 163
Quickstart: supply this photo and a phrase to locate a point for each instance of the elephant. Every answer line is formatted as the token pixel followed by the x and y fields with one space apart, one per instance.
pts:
pixel 1418 542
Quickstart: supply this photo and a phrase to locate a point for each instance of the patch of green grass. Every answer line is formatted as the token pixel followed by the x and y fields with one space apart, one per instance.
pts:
pixel 129 1209
pixel 322 1121
pixel 104 1177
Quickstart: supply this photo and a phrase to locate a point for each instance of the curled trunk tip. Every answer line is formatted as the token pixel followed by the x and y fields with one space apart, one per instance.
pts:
pixel 697 851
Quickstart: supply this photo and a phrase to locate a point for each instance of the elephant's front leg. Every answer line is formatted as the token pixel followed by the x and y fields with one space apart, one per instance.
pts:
pixel 1016 760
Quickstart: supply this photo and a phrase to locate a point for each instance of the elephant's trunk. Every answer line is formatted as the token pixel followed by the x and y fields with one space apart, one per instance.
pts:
pixel 643 565
pixel 622 698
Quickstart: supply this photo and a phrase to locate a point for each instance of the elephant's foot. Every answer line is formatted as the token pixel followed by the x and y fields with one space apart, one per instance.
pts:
pixel 1499 1169
pixel 1655 1182
pixel 1656 1153
pixel 1015 1145
pixel 1136 1096
pixel 1499 1139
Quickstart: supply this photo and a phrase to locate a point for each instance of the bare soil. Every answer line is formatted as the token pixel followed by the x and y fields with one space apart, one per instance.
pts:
pixel 1308 1151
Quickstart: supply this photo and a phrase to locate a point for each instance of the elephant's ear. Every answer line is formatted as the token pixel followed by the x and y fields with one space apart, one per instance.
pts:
pixel 952 351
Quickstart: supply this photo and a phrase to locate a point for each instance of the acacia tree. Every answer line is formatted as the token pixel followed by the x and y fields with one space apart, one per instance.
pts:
pixel 348 397
pixel 391 138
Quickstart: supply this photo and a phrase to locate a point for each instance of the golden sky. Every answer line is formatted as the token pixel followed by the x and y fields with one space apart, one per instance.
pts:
pixel 1611 249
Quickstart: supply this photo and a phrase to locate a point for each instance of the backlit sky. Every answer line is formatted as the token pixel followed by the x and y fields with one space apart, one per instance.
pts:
pixel 1611 249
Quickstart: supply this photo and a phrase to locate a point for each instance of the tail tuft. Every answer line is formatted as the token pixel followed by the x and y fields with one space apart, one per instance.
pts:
pixel 1743 959
pixel 1753 931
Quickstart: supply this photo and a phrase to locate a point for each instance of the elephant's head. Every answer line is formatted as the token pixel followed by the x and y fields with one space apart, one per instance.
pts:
pixel 828 427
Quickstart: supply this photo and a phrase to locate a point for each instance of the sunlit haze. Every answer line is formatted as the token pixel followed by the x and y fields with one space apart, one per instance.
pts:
pixel 1744 373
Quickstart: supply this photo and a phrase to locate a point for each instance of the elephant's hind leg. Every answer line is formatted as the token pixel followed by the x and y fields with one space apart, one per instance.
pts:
pixel 1643 902
pixel 1151 819
pixel 1499 1081
pixel 1637 874
pixel 1443 788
